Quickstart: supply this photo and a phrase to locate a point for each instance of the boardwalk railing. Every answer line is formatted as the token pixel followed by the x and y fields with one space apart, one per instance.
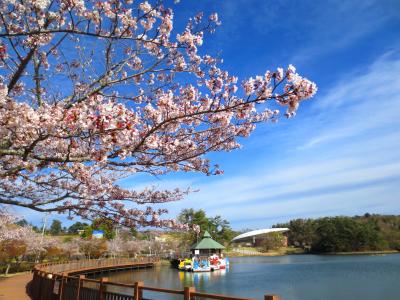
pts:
pixel 82 266
pixel 66 281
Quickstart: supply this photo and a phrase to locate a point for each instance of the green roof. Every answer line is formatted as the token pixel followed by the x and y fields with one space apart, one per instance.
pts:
pixel 207 243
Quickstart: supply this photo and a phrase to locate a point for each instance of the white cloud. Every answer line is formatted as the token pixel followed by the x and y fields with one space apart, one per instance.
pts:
pixel 315 176
pixel 361 103
pixel 358 201
pixel 350 164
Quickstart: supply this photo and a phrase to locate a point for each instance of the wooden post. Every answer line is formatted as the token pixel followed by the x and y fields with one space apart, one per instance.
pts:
pixel 40 285
pixel 53 282
pixel 271 297
pixel 79 286
pixel 61 287
pixel 188 290
pixel 138 292
pixel 102 288
pixel 35 282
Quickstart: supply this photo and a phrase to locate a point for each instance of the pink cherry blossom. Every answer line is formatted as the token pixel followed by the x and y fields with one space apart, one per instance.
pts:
pixel 9 231
pixel 96 91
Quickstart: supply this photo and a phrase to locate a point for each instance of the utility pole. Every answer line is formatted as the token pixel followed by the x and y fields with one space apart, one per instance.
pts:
pixel 116 231
pixel 44 225
pixel 115 241
pixel 43 230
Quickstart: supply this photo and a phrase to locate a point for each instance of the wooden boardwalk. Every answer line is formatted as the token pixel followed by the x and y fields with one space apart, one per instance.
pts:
pixel 96 265
pixel 16 287
pixel 67 281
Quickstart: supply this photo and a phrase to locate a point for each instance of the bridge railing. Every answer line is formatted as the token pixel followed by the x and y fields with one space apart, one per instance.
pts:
pixel 70 266
pixel 55 282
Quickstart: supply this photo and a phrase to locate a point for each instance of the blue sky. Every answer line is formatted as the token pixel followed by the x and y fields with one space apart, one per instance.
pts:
pixel 340 154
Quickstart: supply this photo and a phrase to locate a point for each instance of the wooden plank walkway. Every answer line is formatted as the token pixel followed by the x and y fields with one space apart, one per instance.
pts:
pixel 14 287
pixel 64 281
pixel 94 269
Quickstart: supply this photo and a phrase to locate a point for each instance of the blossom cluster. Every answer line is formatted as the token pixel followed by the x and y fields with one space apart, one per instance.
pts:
pixel 32 242
pixel 107 89
pixel 10 231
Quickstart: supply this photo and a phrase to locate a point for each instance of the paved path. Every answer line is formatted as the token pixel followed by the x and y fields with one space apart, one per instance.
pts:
pixel 14 288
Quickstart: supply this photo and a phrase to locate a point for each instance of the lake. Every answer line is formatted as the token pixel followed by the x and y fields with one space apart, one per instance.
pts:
pixel 305 277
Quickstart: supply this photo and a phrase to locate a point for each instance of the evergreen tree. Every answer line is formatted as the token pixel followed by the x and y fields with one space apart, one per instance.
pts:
pixel 55 227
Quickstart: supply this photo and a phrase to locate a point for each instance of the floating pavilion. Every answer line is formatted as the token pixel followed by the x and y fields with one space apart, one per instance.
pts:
pixel 207 246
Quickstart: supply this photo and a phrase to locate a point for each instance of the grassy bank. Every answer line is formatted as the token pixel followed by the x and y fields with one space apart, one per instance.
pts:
pixel 249 251
pixel 361 252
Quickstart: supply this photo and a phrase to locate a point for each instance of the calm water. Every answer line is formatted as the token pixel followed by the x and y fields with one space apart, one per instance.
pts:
pixel 305 277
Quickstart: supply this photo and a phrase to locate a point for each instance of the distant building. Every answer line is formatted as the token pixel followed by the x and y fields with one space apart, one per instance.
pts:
pixel 255 237
pixel 98 234
pixel 160 239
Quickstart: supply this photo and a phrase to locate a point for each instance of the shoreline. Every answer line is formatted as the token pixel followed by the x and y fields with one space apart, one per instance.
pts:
pixel 301 252
pixel 382 252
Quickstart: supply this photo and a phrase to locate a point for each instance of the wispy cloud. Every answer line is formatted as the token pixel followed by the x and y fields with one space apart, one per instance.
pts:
pixel 361 103
pixel 351 164
pixel 344 202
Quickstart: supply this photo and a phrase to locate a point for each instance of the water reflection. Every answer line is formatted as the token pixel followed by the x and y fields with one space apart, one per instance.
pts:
pixel 200 279
pixel 167 277
pixel 294 277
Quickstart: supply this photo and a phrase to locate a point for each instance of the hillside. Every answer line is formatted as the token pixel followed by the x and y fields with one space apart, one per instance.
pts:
pixel 370 232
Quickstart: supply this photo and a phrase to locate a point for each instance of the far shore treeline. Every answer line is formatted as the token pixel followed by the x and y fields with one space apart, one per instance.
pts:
pixel 370 232
pixel 23 244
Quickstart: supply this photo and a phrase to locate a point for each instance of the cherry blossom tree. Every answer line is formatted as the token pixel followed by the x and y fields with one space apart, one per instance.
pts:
pixel 17 241
pixel 132 247
pixel 70 248
pixel 9 231
pixel 92 248
pixel 40 247
pixel 115 246
pixel 95 91
pixel 11 250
